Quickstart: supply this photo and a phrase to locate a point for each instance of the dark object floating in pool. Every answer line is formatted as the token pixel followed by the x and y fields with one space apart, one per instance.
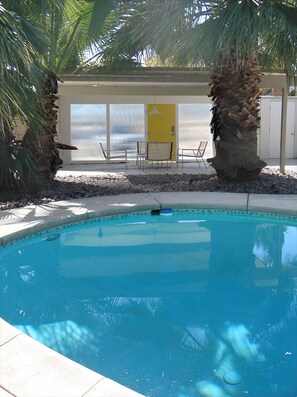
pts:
pixel 53 237
pixel 165 211
pixel 155 212
pixel 232 377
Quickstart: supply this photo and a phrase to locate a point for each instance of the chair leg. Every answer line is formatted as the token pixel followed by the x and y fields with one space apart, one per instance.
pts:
pixel 126 160
pixel 197 159
pixel 203 161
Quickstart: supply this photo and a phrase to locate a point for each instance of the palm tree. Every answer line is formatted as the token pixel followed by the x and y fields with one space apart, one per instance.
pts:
pixel 230 37
pixel 250 30
pixel 19 73
pixel 64 40
pixel 59 24
pixel 73 28
pixel 52 38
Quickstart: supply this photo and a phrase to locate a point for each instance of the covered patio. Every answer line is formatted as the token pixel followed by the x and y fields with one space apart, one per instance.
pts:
pixel 164 104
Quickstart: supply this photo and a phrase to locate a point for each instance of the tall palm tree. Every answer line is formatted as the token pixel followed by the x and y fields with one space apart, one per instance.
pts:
pixel 58 21
pixel 19 76
pixel 233 38
pixel 250 30
pixel 63 30
pixel 73 28
pixel 64 40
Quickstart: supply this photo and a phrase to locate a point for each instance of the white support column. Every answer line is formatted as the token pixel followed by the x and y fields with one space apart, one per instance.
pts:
pixel 108 129
pixel 283 128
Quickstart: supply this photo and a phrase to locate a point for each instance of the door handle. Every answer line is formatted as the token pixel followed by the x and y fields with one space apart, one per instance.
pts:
pixel 172 129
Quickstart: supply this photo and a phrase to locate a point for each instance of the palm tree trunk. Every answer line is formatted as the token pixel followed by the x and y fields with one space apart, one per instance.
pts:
pixel 235 120
pixel 42 145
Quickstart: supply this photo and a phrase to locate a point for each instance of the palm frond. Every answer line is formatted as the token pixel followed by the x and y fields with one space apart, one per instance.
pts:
pixel 279 34
pixel 18 69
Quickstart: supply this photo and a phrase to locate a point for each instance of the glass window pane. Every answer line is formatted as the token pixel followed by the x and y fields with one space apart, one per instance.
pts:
pixel 194 120
pixel 88 128
pixel 126 127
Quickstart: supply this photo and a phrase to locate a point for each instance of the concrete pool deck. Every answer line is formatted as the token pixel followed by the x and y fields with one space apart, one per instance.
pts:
pixel 28 368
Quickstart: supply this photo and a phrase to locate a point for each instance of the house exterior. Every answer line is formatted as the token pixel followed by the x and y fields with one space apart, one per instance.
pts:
pixel 156 104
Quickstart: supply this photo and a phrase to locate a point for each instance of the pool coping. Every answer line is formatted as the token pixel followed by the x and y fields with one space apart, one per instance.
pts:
pixel 28 368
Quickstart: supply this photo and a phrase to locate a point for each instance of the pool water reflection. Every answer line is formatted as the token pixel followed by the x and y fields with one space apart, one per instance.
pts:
pixel 199 303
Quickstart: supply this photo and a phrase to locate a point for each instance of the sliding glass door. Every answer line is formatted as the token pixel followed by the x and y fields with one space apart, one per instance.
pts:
pixel 116 126
pixel 126 127
pixel 88 128
pixel 194 120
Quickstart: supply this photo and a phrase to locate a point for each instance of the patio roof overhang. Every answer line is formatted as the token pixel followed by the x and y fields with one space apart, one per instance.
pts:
pixel 155 81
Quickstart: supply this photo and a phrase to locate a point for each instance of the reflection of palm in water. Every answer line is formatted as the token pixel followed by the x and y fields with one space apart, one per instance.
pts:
pixel 279 337
pixel 201 345
pixel 199 335
pixel 236 349
pixel 270 240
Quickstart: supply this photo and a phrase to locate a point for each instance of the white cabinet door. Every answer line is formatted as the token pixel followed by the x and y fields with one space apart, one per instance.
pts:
pixel 275 130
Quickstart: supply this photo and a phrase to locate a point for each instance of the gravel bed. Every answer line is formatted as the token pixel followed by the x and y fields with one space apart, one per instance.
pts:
pixel 73 187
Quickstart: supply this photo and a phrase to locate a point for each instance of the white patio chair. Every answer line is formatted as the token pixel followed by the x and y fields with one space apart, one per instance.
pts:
pixel 194 154
pixel 159 153
pixel 120 155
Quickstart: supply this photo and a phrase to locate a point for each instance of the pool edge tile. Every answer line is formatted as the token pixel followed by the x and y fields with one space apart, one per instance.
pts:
pixel 5 393
pixel 276 204
pixel 7 332
pixel 203 200
pixel 29 368
pixel 109 388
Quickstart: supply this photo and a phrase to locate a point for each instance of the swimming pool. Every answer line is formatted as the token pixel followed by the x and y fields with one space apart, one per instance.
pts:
pixel 164 303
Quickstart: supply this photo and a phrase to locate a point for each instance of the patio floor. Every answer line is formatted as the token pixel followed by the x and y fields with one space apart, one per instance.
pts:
pixel 132 169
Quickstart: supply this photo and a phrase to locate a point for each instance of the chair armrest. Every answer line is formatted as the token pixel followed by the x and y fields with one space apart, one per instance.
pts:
pixel 114 154
pixel 117 151
pixel 182 151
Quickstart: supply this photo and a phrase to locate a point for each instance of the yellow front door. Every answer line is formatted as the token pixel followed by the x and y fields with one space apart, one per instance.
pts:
pixel 161 124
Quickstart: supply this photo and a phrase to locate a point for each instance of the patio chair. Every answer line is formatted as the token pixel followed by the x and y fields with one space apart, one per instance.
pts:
pixel 141 153
pixel 120 155
pixel 194 154
pixel 159 153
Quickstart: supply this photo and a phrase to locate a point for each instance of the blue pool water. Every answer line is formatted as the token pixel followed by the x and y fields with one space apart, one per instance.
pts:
pixel 184 304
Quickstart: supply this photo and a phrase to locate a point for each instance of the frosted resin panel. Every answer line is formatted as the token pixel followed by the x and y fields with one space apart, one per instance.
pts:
pixel 126 127
pixel 88 128
pixel 194 120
